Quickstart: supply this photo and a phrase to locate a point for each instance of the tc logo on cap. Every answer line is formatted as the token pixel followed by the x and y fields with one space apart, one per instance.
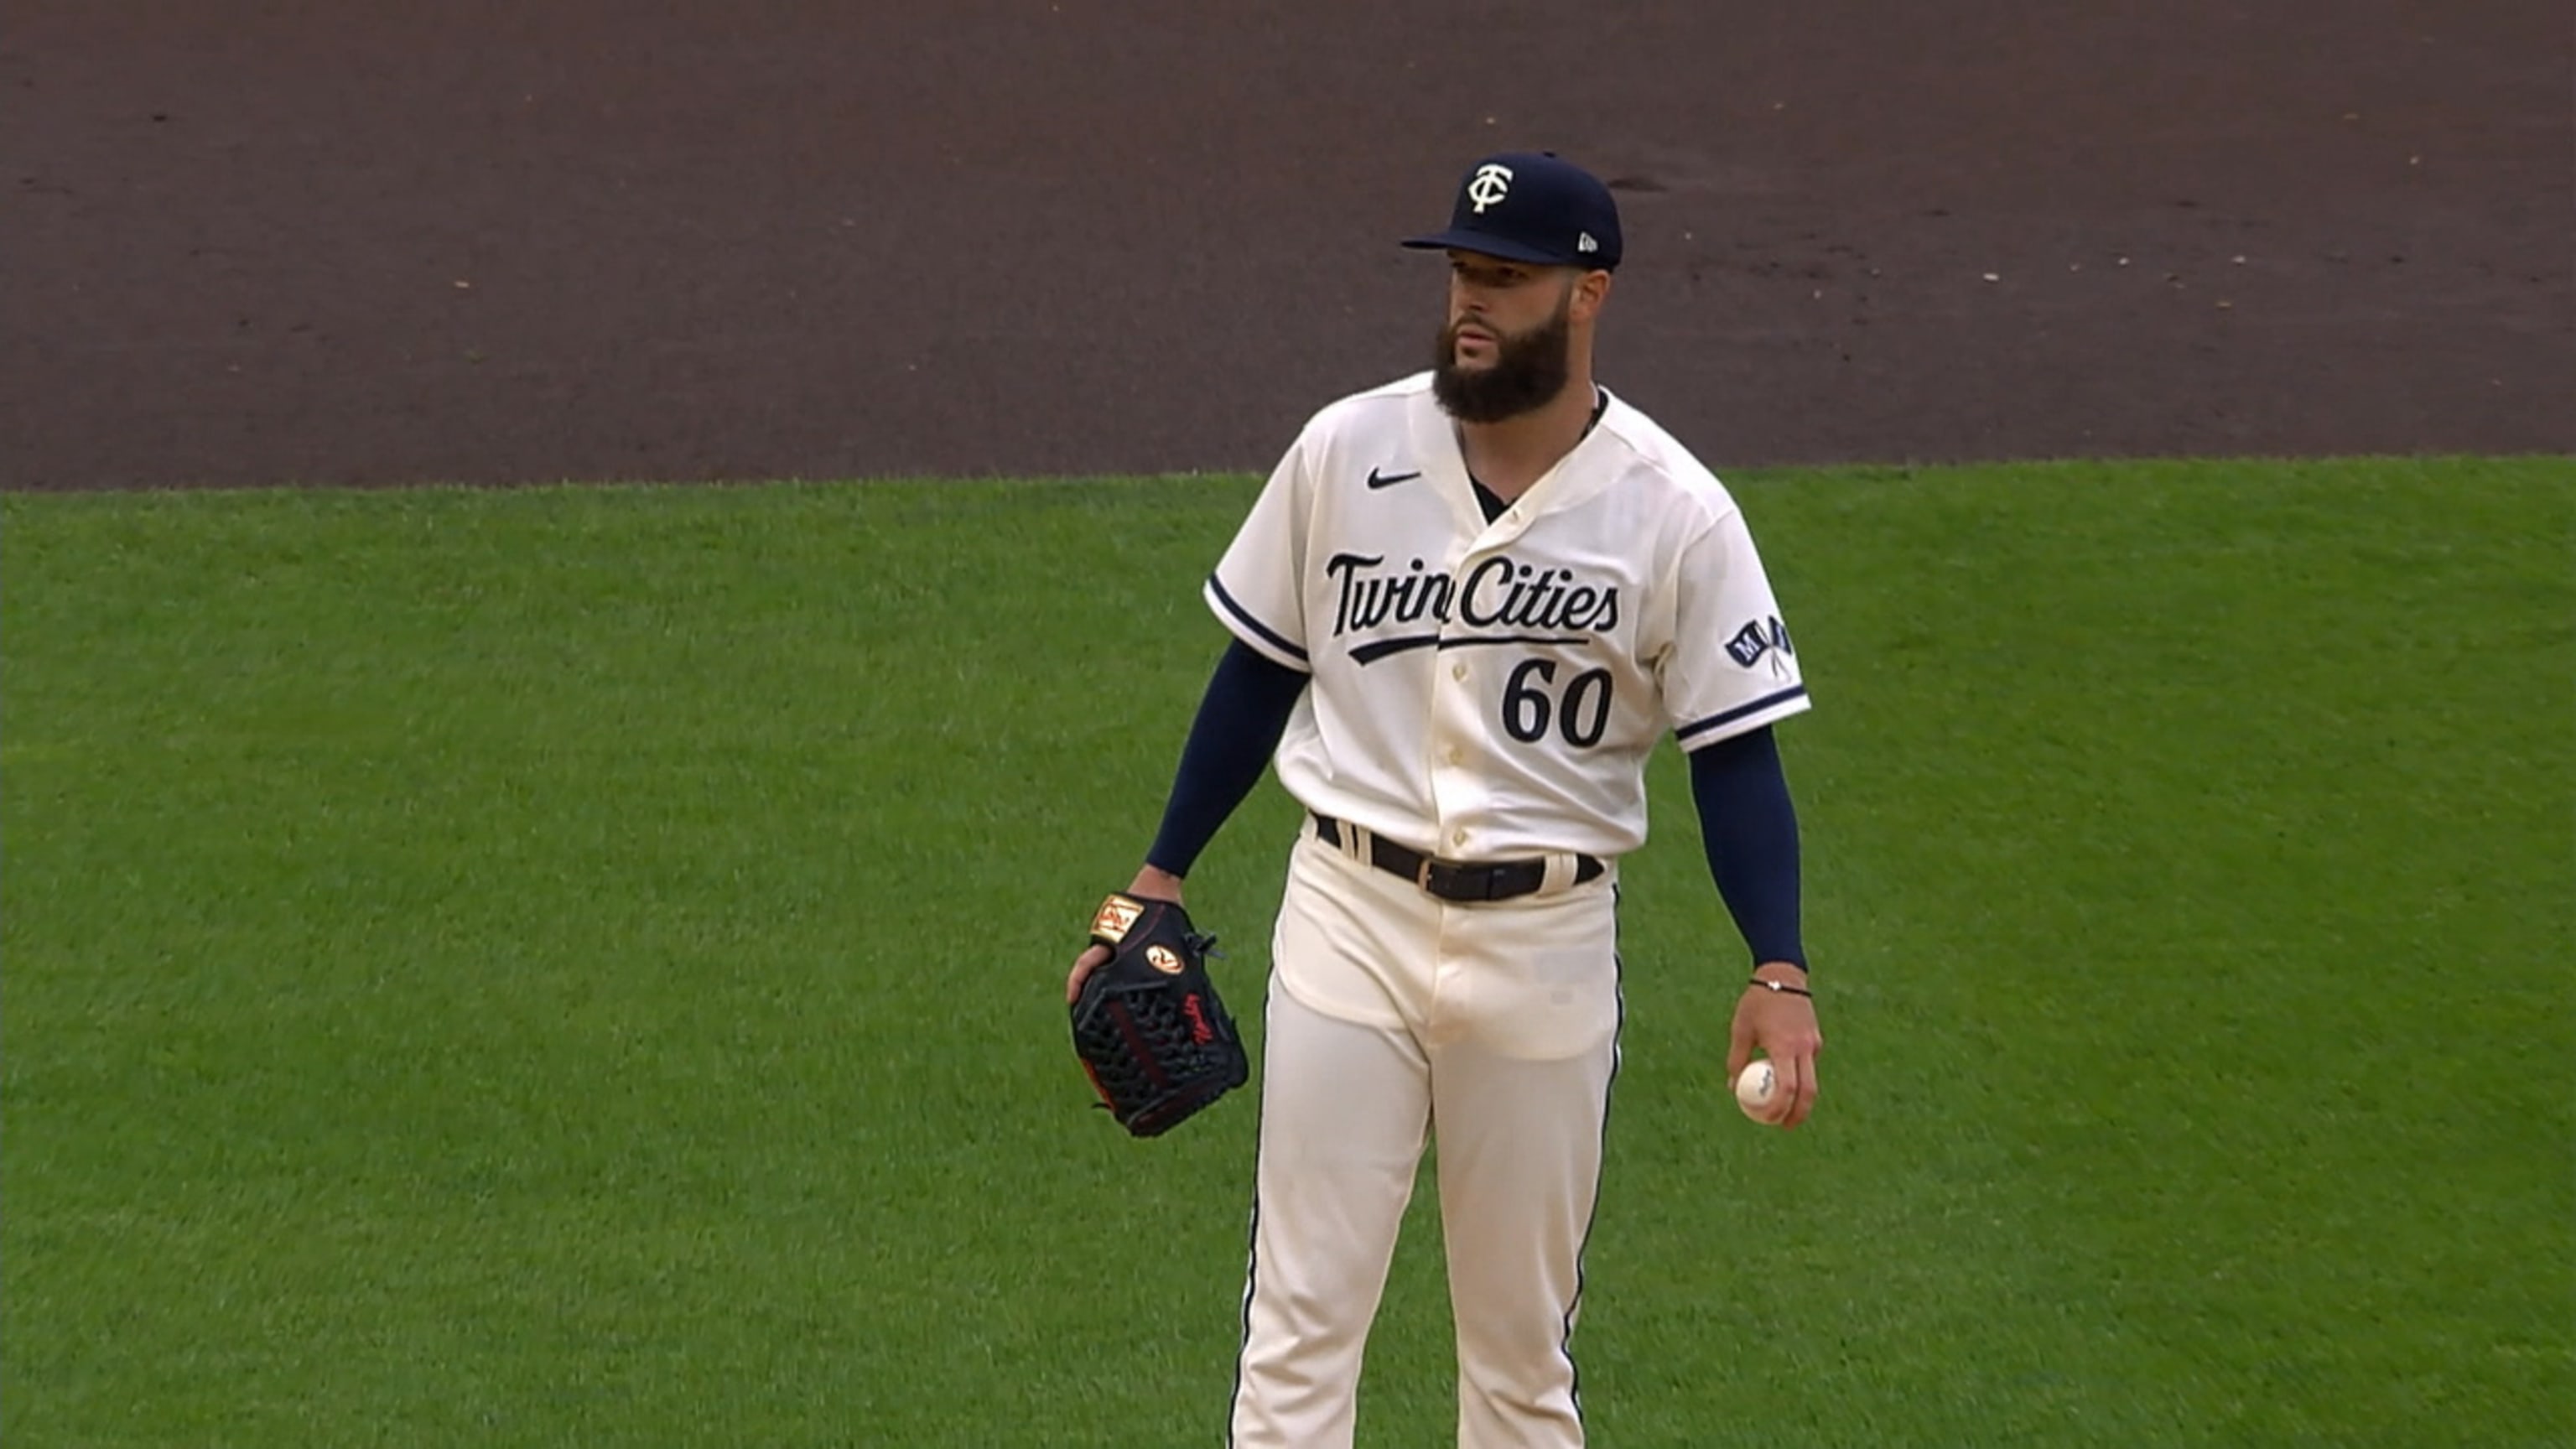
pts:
pixel 1534 207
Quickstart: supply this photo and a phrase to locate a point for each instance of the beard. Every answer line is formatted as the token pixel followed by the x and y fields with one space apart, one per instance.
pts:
pixel 1528 372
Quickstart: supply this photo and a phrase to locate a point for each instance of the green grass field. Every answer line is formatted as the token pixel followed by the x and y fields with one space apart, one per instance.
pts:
pixel 583 967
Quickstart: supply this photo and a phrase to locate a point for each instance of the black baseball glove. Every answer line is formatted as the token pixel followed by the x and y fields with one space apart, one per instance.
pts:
pixel 1148 1025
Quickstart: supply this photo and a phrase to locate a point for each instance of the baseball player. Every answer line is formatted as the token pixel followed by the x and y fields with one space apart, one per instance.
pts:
pixel 1464 610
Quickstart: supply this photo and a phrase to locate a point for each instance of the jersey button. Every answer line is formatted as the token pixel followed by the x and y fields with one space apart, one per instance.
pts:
pixel 1457 837
pixel 1453 754
pixel 1458 671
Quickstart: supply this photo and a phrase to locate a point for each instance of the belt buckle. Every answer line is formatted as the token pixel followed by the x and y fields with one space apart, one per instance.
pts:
pixel 1422 875
pixel 1453 880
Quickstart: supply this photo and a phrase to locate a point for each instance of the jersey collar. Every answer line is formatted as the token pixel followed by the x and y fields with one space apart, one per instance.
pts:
pixel 1584 471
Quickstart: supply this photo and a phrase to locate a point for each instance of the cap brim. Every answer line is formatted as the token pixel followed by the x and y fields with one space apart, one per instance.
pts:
pixel 1455 239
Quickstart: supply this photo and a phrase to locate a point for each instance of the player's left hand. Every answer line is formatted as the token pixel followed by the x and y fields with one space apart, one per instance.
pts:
pixel 1781 1026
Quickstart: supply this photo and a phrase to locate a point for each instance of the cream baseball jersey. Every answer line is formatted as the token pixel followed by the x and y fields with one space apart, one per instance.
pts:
pixel 1487 690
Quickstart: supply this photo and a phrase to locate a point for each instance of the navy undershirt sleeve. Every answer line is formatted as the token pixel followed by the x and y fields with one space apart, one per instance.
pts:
pixel 1750 830
pixel 1240 720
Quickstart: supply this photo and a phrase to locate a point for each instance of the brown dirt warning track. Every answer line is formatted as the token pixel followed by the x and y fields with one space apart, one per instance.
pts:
pixel 288 241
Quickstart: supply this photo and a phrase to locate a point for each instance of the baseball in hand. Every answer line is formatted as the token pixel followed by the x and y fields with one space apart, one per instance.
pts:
pixel 1753 1088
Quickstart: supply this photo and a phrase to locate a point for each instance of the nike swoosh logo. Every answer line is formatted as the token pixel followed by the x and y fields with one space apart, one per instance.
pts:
pixel 1377 479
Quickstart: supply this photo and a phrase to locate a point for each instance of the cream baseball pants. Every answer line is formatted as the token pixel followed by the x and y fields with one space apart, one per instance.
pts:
pixel 1396 1020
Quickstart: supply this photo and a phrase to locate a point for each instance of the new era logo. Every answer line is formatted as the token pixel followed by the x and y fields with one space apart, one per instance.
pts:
pixel 1585 243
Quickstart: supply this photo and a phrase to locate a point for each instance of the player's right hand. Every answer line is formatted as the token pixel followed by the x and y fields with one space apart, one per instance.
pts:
pixel 1092 959
pixel 1150 884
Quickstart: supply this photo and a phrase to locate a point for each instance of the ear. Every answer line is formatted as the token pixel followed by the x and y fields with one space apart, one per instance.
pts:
pixel 1591 289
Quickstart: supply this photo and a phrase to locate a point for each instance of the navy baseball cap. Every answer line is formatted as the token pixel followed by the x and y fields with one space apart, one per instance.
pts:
pixel 1532 206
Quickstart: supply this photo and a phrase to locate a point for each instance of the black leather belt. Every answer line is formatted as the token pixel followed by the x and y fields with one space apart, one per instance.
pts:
pixel 1452 880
